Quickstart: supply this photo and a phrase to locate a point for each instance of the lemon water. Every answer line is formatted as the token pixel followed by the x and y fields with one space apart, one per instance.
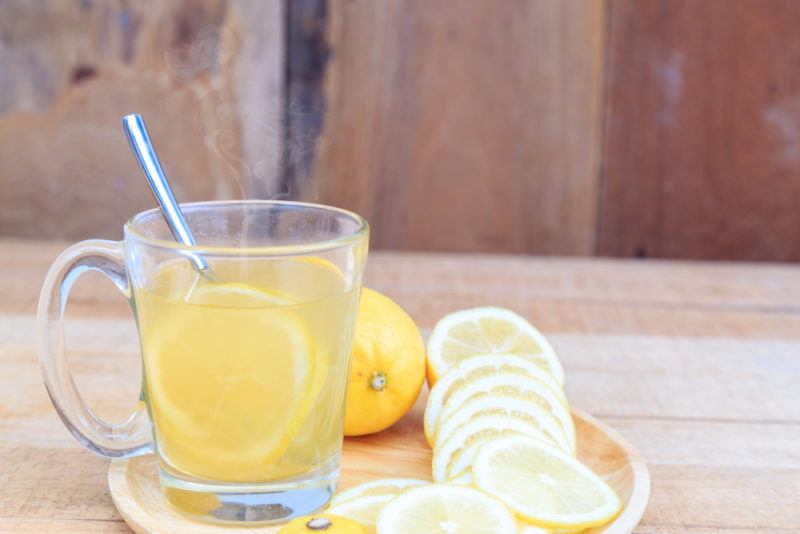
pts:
pixel 246 374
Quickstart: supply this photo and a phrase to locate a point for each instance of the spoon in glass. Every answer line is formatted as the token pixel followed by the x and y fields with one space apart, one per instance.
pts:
pixel 142 147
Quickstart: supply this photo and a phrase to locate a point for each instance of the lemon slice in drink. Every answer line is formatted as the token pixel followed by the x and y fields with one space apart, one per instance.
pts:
pixel 386 486
pixel 542 485
pixel 231 379
pixel 504 384
pixel 475 368
pixel 235 294
pixel 477 331
pixel 445 509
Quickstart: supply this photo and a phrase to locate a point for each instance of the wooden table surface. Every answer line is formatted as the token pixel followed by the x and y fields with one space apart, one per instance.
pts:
pixel 697 364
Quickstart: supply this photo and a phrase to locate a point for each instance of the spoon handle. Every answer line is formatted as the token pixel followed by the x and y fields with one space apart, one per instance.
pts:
pixel 140 142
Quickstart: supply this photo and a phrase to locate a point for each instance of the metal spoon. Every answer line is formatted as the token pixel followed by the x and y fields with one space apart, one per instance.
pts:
pixel 140 142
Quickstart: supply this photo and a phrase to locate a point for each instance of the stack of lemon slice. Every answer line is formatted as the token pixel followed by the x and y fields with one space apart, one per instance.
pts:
pixel 481 391
pixel 503 439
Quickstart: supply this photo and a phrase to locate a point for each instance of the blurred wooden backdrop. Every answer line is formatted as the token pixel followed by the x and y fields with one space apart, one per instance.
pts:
pixel 648 128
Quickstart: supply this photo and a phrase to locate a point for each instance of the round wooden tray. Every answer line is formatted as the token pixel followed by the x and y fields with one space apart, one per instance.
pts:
pixel 400 451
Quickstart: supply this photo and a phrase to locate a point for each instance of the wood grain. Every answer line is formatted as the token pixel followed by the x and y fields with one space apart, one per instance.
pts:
pixel 465 125
pixel 666 128
pixel 398 452
pixel 702 117
pixel 696 364
pixel 306 59
pixel 206 75
pixel 41 526
pixel 600 296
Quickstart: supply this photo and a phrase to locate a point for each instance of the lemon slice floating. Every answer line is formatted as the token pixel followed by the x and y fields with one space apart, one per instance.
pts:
pixel 543 485
pixel 216 415
pixel 236 294
pixel 477 331
pixel 468 371
pixel 445 509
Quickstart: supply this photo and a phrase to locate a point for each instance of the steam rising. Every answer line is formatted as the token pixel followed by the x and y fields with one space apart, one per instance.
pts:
pixel 243 113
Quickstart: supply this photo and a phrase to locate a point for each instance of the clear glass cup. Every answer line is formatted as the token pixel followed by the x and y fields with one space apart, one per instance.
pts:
pixel 245 365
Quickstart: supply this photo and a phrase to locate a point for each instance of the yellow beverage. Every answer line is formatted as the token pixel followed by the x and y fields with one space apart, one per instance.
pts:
pixel 246 374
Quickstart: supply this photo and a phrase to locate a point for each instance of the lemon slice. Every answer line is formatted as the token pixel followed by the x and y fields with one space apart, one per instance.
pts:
pixel 510 406
pixel 459 469
pixel 225 412
pixel 445 509
pixel 469 333
pixel 512 385
pixel 386 486
pixel 475 368
pixel 465 439
pixel 525 528
pixel 236 294
pixel 364 509
pixel 542 485
pixel 319 261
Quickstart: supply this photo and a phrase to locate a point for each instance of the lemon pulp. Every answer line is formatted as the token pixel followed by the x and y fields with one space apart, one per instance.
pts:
pixel 467 333
pixel 245 375
pixel 542 485
pixel 445 509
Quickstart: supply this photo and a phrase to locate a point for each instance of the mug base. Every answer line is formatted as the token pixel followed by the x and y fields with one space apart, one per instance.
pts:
pixel 250 504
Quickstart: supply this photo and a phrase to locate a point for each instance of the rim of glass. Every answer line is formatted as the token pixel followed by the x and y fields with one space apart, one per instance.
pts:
pixel 361 230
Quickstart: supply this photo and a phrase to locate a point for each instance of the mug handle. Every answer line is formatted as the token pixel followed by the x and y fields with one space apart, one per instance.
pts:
pixel 131 438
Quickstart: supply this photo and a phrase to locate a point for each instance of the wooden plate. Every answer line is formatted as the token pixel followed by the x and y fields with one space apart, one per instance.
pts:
pixel 400 451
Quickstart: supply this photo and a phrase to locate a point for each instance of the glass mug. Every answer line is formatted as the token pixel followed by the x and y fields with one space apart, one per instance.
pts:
pixel 245 365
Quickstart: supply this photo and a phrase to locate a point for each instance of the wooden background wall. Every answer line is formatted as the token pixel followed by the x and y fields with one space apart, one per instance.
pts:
pixel 659 128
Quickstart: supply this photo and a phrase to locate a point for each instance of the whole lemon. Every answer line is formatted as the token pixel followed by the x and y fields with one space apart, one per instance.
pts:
pixel 387 368
pixel 327 523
